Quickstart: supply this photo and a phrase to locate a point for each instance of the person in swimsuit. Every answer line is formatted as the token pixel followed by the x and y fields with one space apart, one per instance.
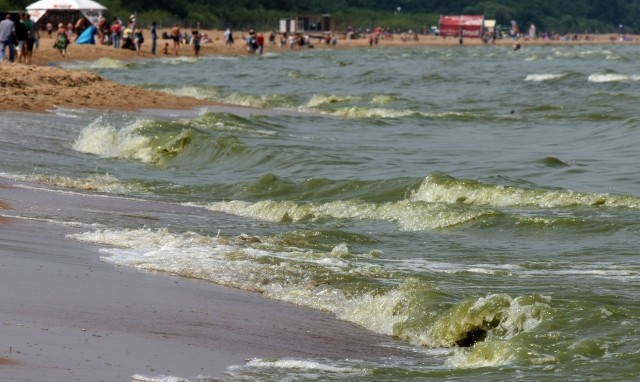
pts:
pixel 195 42
pixel 138 39
pixel 175 36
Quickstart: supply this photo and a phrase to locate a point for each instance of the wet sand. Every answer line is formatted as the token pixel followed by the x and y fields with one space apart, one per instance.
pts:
pixel 68 316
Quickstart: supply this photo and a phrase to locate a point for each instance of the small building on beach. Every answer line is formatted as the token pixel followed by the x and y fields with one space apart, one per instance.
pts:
pixel 306 23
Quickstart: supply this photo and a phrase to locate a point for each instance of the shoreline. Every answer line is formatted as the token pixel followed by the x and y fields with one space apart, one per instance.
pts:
pixel 67 315
pixel 41 86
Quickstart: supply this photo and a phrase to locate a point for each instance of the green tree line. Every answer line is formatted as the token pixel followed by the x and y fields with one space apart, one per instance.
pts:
pixel 561 16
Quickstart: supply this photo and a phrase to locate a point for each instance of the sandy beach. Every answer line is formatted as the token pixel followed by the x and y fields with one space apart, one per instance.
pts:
pixel 68 316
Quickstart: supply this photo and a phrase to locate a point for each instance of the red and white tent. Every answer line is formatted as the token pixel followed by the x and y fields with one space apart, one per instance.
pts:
pixel 463 25
pixel 90 9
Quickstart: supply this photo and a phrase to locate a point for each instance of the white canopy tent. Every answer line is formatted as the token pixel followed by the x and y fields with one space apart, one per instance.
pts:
pixel 90 9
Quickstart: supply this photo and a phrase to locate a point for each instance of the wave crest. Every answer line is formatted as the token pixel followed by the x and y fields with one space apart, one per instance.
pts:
pixel 452 191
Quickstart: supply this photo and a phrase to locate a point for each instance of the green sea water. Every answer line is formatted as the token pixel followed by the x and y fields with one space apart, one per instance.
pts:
pixel 477 204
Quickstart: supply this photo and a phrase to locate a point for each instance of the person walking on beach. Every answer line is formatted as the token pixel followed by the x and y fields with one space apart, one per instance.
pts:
pixel 154 37
pixel 62 40
pixel 22 35
pixel 7 36
pixel 32 37
pixel 175 36
pixel 228 37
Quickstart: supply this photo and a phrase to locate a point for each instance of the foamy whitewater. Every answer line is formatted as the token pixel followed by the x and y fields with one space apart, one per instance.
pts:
pixel 476 204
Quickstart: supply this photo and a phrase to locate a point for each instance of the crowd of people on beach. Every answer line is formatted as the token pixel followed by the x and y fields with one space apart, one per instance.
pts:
pixel 256 41
pixel 19 36
pixel 131 36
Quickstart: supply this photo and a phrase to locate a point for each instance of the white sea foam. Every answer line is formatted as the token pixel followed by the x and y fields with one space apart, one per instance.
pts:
pixel 69 112
pixel 179 60
pixel 303 365
pixel 209 93
pixel 98 182
pixel 287 274
pixel 51 221
pixel 618 272
pixel 229 261
pixel 487 354
pixel 383 99
pixel 544 77
pixel 410 216
pixel 243 99
pixel 363 112
pixel 107 141
pixel 434 205
pixel 612 77
pixel 502 316
pixel 457 192
pixel 588 53
pixel 101 183
pixel 108 63
pixel 158 378
pixel 259 369
pixel 102 63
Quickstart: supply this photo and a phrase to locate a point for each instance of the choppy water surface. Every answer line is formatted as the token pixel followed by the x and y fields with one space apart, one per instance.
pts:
pixel 445 197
